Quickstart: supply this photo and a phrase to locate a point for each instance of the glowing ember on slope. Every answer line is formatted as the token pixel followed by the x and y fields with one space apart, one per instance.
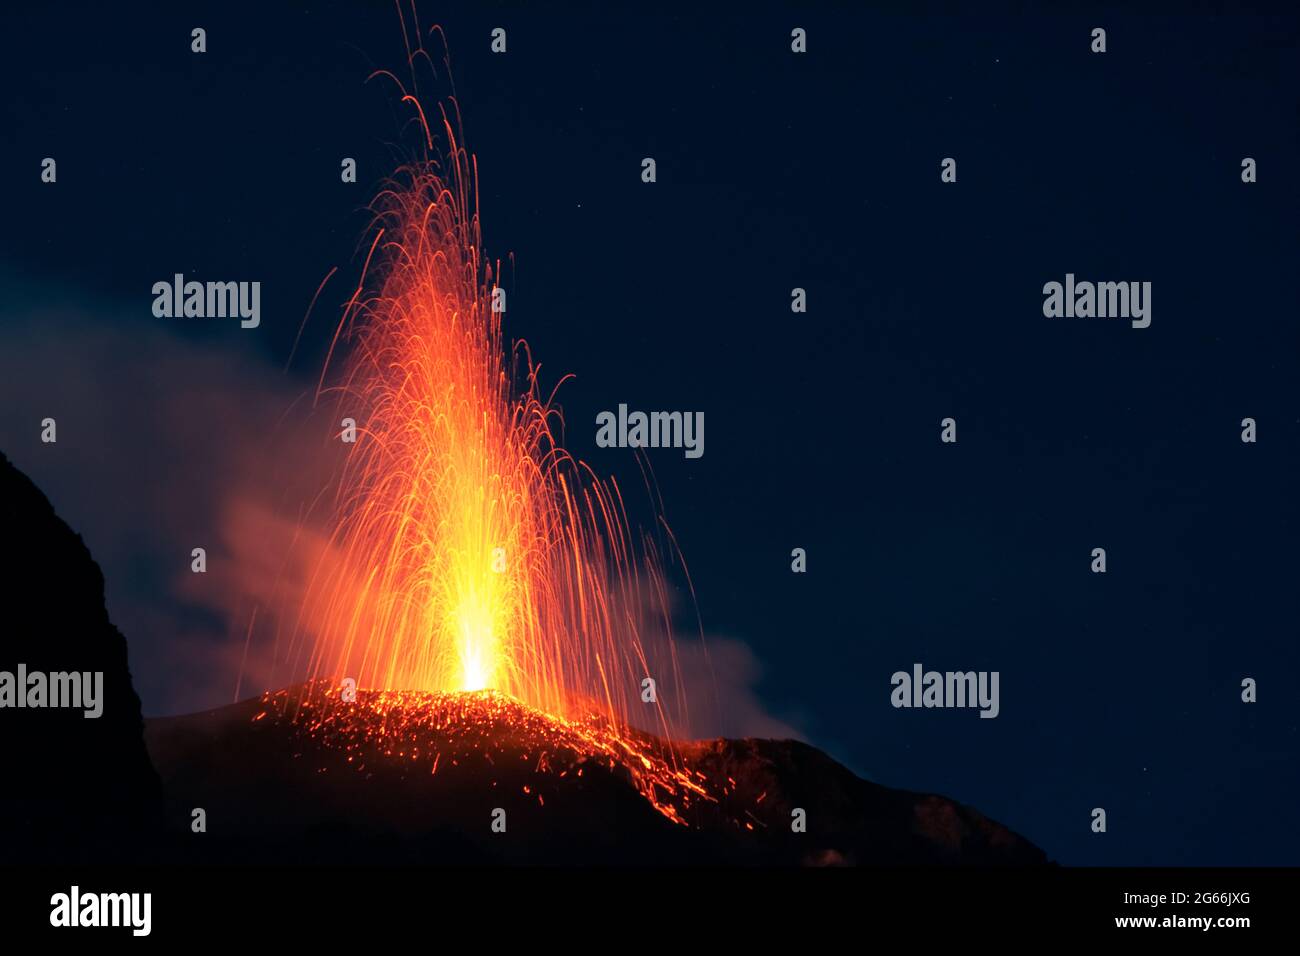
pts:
pixel 441 731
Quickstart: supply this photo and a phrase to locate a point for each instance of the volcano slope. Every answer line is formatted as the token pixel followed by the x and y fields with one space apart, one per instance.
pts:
pixel 300 776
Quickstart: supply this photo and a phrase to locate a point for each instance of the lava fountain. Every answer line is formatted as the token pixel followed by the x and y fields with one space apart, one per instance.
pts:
pixel 470 551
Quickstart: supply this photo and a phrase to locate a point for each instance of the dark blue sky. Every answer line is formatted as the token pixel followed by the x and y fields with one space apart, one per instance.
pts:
pixel 820 171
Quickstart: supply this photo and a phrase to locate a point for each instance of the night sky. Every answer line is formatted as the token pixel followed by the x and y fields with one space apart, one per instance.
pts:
pixel 775 171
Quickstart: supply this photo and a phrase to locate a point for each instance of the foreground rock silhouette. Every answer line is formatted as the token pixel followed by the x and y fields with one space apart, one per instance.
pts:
pixel 74 789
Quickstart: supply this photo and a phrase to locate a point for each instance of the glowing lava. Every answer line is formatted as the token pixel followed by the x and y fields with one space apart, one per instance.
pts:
pixel 480 734
pixel 470 551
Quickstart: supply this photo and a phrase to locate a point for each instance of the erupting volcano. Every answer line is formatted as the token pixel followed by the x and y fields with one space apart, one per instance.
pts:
pixel 480 647
pixel 469 551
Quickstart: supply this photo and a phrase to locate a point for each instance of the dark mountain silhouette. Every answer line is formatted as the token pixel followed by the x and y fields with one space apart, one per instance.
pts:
pixel 73 788
pixel 414 781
